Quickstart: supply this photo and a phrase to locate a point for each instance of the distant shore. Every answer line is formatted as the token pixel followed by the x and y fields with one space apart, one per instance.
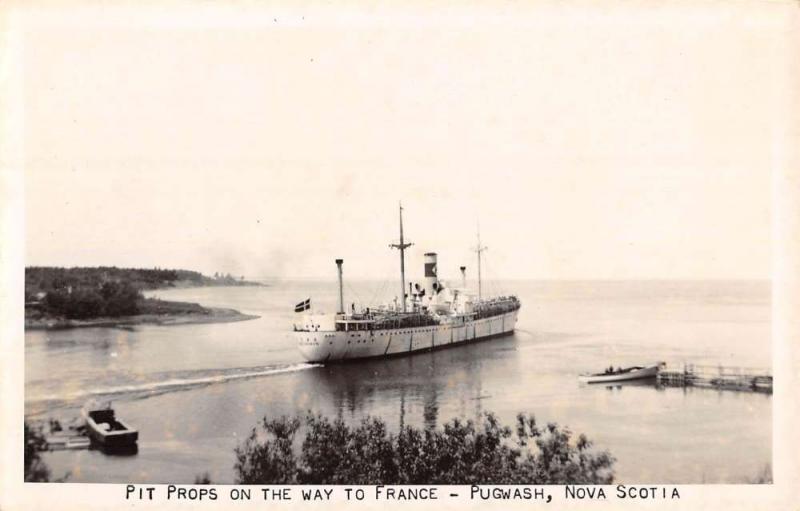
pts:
pixel 187 283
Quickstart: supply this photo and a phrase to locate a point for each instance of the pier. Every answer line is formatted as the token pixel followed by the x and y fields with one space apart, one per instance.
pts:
pixel 718 377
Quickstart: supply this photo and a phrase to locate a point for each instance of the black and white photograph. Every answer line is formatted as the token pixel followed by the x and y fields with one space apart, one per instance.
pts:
pixel 479 246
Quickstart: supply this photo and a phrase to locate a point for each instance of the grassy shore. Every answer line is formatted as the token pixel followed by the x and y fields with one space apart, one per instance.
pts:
pixel 151 312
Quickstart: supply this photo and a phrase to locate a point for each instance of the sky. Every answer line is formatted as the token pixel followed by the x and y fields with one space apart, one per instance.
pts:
pixel 617 142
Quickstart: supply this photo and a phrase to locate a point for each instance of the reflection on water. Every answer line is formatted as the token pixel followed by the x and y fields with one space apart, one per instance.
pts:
pixel 410 386
pixel 126 450
pixel 194 391
pixel 618 386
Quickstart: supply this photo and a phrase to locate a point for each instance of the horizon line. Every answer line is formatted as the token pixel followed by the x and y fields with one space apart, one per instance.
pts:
pixel 454 277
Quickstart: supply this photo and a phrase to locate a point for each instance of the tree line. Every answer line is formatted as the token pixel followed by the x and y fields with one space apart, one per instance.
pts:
pixel 49 278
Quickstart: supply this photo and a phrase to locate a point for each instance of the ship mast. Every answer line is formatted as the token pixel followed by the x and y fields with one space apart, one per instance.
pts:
pixel 479 249
pixel 402 246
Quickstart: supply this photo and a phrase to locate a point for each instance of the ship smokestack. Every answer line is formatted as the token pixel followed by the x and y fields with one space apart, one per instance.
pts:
pixel 463 277
pixel 430 273
pixel 341 294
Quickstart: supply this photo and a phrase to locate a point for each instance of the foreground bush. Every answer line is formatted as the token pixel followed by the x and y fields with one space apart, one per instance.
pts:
pixel 332 452
pixel 35 469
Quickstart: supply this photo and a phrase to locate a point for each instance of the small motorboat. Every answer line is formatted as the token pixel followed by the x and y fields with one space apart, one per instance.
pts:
pixel 623 374
pixel 105 429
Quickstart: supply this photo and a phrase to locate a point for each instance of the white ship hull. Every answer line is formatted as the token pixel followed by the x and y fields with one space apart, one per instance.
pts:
pixel 331 346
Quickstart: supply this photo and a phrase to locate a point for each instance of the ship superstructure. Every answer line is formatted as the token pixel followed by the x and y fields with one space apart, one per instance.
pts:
pixel 427 317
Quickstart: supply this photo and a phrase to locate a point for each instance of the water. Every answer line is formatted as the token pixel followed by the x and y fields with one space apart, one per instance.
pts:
pixel 195 390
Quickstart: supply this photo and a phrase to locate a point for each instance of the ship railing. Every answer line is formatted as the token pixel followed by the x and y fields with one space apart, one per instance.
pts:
pixel 386 322
pixel 490 309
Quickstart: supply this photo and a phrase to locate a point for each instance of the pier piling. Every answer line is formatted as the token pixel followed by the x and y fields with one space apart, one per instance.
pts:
pixel 719 377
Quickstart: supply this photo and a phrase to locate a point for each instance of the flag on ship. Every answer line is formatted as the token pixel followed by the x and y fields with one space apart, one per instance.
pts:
pixel 302 306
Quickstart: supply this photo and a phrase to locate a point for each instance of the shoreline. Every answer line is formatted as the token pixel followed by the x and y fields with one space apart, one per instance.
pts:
pixel 190 284
pixel 210 315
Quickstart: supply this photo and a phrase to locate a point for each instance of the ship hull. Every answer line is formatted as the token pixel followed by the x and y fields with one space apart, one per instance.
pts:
pixel 337 346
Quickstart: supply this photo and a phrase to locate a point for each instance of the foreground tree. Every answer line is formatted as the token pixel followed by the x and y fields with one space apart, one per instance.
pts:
pixel 332 452
pixel 35 469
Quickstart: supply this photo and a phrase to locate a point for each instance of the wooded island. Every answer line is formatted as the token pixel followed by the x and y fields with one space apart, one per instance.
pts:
pixel 107 296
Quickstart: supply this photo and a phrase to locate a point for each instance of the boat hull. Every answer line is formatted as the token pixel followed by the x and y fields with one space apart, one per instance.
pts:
pixel 118 434
pixel 646 372
pixel 337 346
pixel 115 440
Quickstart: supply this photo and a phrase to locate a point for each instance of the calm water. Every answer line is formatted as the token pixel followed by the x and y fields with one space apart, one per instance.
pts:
pixel 195 390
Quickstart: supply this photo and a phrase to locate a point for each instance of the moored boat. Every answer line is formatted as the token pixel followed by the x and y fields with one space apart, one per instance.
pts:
pixel 106 430
pixel 623 374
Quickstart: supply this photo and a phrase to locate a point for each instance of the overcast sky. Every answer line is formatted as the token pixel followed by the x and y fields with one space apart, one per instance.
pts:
pixel 614 143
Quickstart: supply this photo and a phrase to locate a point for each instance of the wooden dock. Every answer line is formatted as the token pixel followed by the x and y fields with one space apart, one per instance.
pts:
pixel 58 437
pixel 718 377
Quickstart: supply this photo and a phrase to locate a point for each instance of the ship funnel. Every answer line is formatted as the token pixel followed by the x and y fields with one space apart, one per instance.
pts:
pixel 463 277
pixel 341 294
pixel 430 273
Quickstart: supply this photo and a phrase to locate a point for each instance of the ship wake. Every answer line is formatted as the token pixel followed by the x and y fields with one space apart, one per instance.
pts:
pixel 166 383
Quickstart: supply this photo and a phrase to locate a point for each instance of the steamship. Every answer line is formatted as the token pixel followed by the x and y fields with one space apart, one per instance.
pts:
pixel 427 317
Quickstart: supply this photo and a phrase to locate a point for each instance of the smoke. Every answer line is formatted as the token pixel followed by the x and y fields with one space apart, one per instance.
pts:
pixel 272 262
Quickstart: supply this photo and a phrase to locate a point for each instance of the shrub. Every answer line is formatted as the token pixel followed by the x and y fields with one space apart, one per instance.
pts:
pixel 35 469
pixel 112 299
pixel 762 477
pixel 78 304
pixel 120 299
pixel 269 460
pixel 332 452
pixel 204 478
